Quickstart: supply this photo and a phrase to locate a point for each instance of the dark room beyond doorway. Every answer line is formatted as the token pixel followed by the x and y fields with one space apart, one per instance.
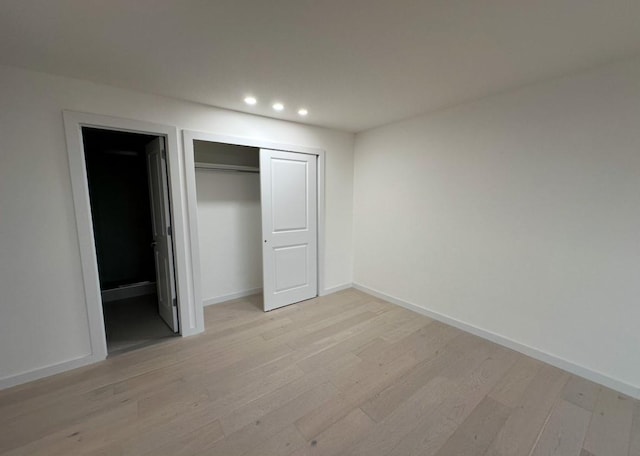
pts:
pixel 118 171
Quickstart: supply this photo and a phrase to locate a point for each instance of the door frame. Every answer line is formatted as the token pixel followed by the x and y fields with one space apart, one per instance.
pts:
pixel 188 136
pixel 189 317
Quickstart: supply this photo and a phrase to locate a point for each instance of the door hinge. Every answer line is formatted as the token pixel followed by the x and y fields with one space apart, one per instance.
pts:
pixel 175 302
pixel 169 231
pixel 164 153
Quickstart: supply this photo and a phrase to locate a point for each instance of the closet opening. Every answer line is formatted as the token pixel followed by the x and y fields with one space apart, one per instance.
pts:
pixel 257 222
pixel 229 219
pixel 131 219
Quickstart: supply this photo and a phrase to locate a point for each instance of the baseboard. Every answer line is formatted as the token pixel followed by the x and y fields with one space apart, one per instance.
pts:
pixel 229 297
pixel 556 361
pixel 335 289
pixel 129 291
pixel 47 371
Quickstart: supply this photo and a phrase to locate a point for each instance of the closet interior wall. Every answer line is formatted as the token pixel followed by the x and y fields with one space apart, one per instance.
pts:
pixel 229 223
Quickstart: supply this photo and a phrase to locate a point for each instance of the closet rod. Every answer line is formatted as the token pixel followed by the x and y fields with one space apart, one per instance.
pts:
pixel 236 168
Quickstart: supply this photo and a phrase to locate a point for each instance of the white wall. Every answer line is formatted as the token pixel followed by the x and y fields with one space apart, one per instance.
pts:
pixel 229 221
pixel 43 320
pixel 518 214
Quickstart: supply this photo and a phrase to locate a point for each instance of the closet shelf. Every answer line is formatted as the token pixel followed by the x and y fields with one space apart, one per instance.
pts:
pixel 221 167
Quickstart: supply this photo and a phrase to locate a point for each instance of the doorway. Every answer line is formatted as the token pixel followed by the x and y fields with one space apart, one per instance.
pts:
pixel 131 213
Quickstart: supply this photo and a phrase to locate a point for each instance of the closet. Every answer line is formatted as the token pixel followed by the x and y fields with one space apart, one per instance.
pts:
pixel 257 223
pixel 228 199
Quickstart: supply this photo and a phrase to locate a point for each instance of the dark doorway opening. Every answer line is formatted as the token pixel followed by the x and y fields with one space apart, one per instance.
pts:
pixel 121 197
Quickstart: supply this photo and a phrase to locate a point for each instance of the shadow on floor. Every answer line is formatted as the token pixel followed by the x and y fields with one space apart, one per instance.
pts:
pixel 133 323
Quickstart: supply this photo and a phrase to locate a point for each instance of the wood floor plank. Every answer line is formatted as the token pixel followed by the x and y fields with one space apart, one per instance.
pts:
pixel 319 318
pixel 367 372
pixel 432 431
pixel 523 426
pixel 451 358
pixel 371 347
pixel 581 392
pixel 74 393
pixel 564 432
pixel 35 426
pixel 363 382
pixel 409 325
pixel 609 433
pixel 253 434
pixel 417 408
pixel 259 407
pixel 348 341
pixel 381 439
pixel 634 443
pixel 339 436
pixel 510 389
pixel 283 443
pixel 147 434
pixel 337 327
pixel 423 343
pixel 71 439
pixel 476 433
pixel 191 443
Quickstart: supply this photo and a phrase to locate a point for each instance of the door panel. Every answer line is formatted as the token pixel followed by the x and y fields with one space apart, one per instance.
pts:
pixel 290 209
pixel 290 267
pixel 161 225
pixel 288 183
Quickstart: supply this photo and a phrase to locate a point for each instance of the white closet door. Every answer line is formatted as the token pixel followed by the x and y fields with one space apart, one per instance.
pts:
pixel 288 183
pixel 161 225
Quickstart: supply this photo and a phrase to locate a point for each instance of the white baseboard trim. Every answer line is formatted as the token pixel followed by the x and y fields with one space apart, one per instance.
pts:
pixel 47 371
pixel 335 289
pixel 556 361
pixel 229 297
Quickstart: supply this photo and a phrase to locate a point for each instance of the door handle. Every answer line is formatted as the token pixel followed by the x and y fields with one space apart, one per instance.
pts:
pixel 153 244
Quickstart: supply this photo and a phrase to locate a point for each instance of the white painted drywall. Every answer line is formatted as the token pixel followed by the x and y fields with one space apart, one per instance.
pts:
pixel 229 230
pixel 43 318
pixel 518 214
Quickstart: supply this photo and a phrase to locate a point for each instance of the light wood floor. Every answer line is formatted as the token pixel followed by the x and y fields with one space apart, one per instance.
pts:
pixel 346 374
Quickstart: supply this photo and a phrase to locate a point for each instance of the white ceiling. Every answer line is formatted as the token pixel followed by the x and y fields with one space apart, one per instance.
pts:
pixel 355 64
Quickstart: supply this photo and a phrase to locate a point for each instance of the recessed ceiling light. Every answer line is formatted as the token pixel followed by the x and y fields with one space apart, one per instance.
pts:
pixel 250 100
pixel 278 106
pixel 303 112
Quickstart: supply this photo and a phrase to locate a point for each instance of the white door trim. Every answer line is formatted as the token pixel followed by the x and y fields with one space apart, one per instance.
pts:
pixel 191 318
pixel 188 136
